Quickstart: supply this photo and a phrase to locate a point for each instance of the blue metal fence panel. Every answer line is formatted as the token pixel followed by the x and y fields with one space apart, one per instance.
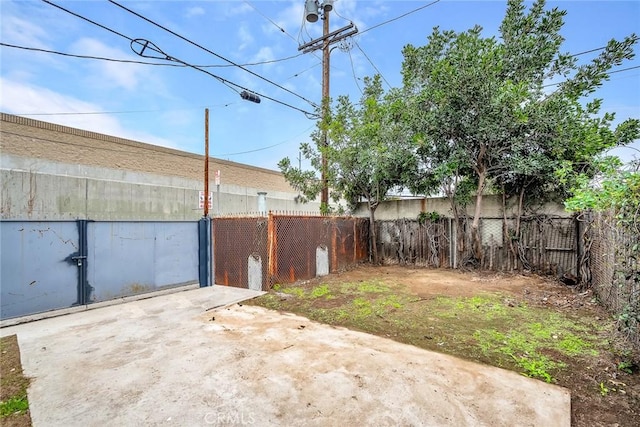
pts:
pixel 129 258
pixel 37 273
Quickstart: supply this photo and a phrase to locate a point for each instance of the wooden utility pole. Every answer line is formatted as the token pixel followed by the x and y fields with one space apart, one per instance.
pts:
pixel 324 43
pixel 324 199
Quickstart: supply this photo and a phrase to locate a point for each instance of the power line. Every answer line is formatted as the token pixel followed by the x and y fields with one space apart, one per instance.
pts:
pixel 224 81
pixel 401 16
pixel 610 72
pixel 372 64
pixel 125 61
pixel 264 148
pixel 353 70
pixel 305 70
pixel 270 20
pixel 211 52
pixel 146 44
pixel 130 61
pixel 120 112
pixel 88 20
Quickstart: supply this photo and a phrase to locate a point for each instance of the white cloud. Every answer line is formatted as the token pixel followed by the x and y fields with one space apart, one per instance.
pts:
pixel 238 9
pixel 22 99
pixel 194 11
pixel 23 33
pixel 114 74
pixel 290 18
pixel 246 39
pixel 264 54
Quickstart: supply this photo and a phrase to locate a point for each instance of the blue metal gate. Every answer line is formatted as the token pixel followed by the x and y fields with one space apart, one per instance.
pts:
pixel 129 258
pixel 38 271
pixel 49 265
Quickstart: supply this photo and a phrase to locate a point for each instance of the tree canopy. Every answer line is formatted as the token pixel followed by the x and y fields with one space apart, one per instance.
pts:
pixel 474 114
pixel 368 153
pixel 482 109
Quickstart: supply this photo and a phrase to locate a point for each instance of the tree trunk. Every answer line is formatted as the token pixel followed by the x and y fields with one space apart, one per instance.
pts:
pixel 475 225
pixel 372 232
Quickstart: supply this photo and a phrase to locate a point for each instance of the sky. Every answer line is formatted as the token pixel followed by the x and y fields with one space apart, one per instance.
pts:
pixel 165 104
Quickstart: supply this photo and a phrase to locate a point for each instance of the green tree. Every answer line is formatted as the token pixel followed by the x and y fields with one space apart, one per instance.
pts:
pixel 480 112
pixel 369 153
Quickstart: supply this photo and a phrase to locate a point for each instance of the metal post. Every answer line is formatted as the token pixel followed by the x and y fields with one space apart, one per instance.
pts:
pixel 206 163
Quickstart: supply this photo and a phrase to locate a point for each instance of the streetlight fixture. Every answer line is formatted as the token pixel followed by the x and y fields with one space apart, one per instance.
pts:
pixel 313 10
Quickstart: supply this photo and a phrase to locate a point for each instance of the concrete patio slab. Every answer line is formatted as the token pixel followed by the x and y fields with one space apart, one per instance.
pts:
pixel 189 359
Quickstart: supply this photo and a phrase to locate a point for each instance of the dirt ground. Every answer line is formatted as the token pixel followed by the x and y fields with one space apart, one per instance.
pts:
pixel 449 311
pixel 13 385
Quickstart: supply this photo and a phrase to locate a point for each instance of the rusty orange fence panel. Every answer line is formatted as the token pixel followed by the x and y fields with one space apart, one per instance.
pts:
pixel 234 241
pixel 286 245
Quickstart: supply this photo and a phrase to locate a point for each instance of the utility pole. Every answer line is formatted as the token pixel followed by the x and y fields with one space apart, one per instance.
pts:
pixel 324 199
pixel 312 10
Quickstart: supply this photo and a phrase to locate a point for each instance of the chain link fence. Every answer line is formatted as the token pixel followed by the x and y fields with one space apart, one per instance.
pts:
pixel 260 251
pixel 612 268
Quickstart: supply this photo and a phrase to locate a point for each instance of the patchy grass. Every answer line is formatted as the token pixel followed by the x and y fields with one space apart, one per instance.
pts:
pixel 572 347
pixel 14 405
pixel 490 328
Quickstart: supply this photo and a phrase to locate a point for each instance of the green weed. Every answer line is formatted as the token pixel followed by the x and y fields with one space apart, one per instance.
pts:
pixel 298 292
pixel 372 287
pixel 571 345
pixel 603 389
pixel 16 404
pixel 321 291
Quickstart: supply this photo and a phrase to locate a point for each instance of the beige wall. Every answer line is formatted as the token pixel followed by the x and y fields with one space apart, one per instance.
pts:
pixel 54 172
pixel 410 208
pixel 41 140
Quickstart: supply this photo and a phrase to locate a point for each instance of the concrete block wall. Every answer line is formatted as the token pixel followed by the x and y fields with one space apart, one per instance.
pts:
pixel 411 207
pixel 54 172
pixel 101 194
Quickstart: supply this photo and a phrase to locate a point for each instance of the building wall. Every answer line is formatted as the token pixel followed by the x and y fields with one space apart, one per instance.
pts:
pixel 410 208
pixel 49 171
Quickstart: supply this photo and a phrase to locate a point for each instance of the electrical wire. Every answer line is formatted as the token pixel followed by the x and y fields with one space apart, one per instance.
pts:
pixel 88 20
pixel 305 70
pixel 152 147
pixel 121 112
pixel 130 61
pixel 353 70
pixel 149 45
pixel 125 61
pixel 224 81
pixel 372 64
pixel 270 20
pixel 211 52
pixel 267 147
pixel 401 16
pixel 609 73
